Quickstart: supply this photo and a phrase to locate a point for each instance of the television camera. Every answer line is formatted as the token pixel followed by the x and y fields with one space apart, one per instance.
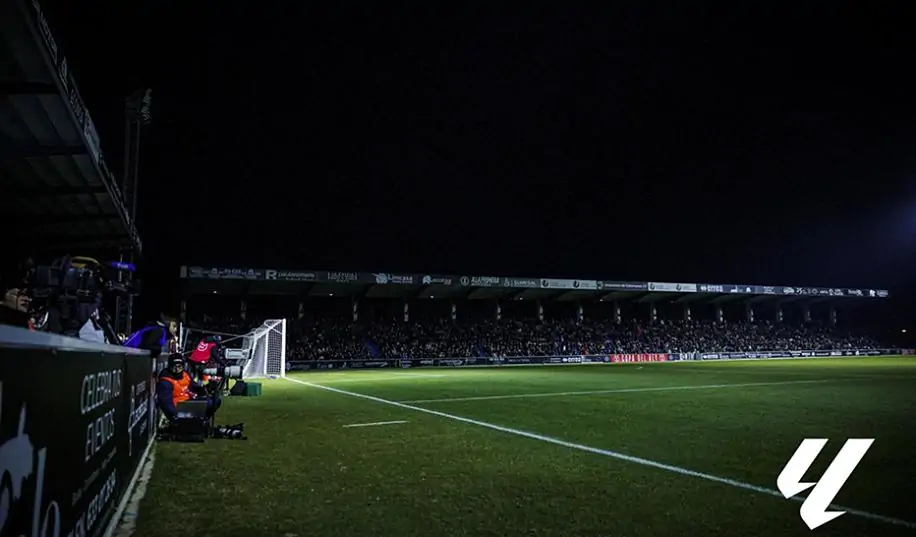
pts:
pixel 66 297
pixel 224 371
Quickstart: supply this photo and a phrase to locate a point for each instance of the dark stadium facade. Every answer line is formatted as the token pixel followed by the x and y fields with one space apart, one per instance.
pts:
pixel 532 295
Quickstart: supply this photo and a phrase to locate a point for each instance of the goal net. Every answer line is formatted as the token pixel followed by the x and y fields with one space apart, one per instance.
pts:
pixel 266 346
pixel 189 338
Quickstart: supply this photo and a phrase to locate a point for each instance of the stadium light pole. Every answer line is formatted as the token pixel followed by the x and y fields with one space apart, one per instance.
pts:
pixel 136 116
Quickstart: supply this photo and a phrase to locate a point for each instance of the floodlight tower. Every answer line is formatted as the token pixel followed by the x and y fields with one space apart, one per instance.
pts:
pixel 136 116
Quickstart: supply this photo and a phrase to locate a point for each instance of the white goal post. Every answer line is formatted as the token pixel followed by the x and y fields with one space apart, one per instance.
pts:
pixel 266 348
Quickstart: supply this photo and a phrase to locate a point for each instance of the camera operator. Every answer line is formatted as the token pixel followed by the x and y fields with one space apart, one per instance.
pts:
pixel 176 386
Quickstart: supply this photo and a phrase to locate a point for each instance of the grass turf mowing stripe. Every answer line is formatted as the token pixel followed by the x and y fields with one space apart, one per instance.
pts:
pixel 607 453
pixel 621 390
pixel 371 379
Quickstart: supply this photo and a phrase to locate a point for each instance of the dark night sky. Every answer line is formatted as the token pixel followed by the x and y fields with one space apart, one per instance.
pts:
pixel 671 143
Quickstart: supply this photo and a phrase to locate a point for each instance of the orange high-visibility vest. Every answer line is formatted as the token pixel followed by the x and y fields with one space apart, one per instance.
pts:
pixel 181 391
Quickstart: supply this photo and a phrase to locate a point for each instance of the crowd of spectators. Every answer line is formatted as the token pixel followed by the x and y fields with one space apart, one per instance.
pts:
pixel 336 340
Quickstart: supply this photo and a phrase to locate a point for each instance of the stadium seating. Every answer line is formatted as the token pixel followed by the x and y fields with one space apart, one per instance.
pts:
pixel 336 339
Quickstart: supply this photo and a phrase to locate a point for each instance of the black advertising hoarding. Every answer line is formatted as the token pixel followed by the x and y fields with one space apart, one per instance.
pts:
pixel 140 374
pixel 294 275
pixel 388 278
pixel 521 283
pixel 438 279
pixel 215 273
pixel 241 274
pixel 309 365
pixel 391 278
pixel 480 281
pixel 605 285
pixel 199 273
pixel 785 290
pixel 348 277
pixel 763 355
pixel 71 439
pixel 673 287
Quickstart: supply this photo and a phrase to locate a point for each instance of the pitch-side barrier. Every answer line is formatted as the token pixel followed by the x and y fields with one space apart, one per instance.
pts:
pixel 309 365
pixel 76 423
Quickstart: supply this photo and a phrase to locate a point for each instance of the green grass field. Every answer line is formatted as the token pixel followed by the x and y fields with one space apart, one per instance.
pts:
pixel 603 450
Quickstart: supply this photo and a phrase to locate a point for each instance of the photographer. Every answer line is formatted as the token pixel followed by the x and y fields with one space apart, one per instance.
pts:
pixel 206 353
pixel 176 386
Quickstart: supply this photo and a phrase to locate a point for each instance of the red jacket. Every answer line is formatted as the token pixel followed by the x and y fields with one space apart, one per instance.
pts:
pixel 202 353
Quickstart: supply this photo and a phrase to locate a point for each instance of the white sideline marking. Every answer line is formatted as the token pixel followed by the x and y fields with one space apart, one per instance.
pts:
pixel 129 518
pixel 115 521
pixel 399 377
pixel 375 423
pixel 612 454
pixel 622 390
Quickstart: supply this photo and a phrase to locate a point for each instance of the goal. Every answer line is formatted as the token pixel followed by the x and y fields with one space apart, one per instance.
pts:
pixel 266 346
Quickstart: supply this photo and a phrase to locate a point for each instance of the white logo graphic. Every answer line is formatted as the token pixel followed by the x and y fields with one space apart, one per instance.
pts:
pixel 271 274
pixel 434 280
pixel 18 456
pixel 343 276
pixel 381 278
pixel 814 509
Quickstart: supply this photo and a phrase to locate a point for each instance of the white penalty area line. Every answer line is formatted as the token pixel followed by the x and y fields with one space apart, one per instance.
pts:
pixel 612 454
pixel 620 390
pixel 370 379
pixel 373 424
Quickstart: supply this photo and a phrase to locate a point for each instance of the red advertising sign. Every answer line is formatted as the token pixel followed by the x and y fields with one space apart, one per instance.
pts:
pixel 635 358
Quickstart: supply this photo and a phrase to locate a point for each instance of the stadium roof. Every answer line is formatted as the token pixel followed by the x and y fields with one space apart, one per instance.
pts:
pixel 208 280
pixel 56 191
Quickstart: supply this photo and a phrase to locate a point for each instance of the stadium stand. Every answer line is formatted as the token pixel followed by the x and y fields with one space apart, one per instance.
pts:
pixel 368 317
pixel 317 339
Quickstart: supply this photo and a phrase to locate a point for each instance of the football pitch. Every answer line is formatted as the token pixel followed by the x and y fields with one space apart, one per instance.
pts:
pixel 691 448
